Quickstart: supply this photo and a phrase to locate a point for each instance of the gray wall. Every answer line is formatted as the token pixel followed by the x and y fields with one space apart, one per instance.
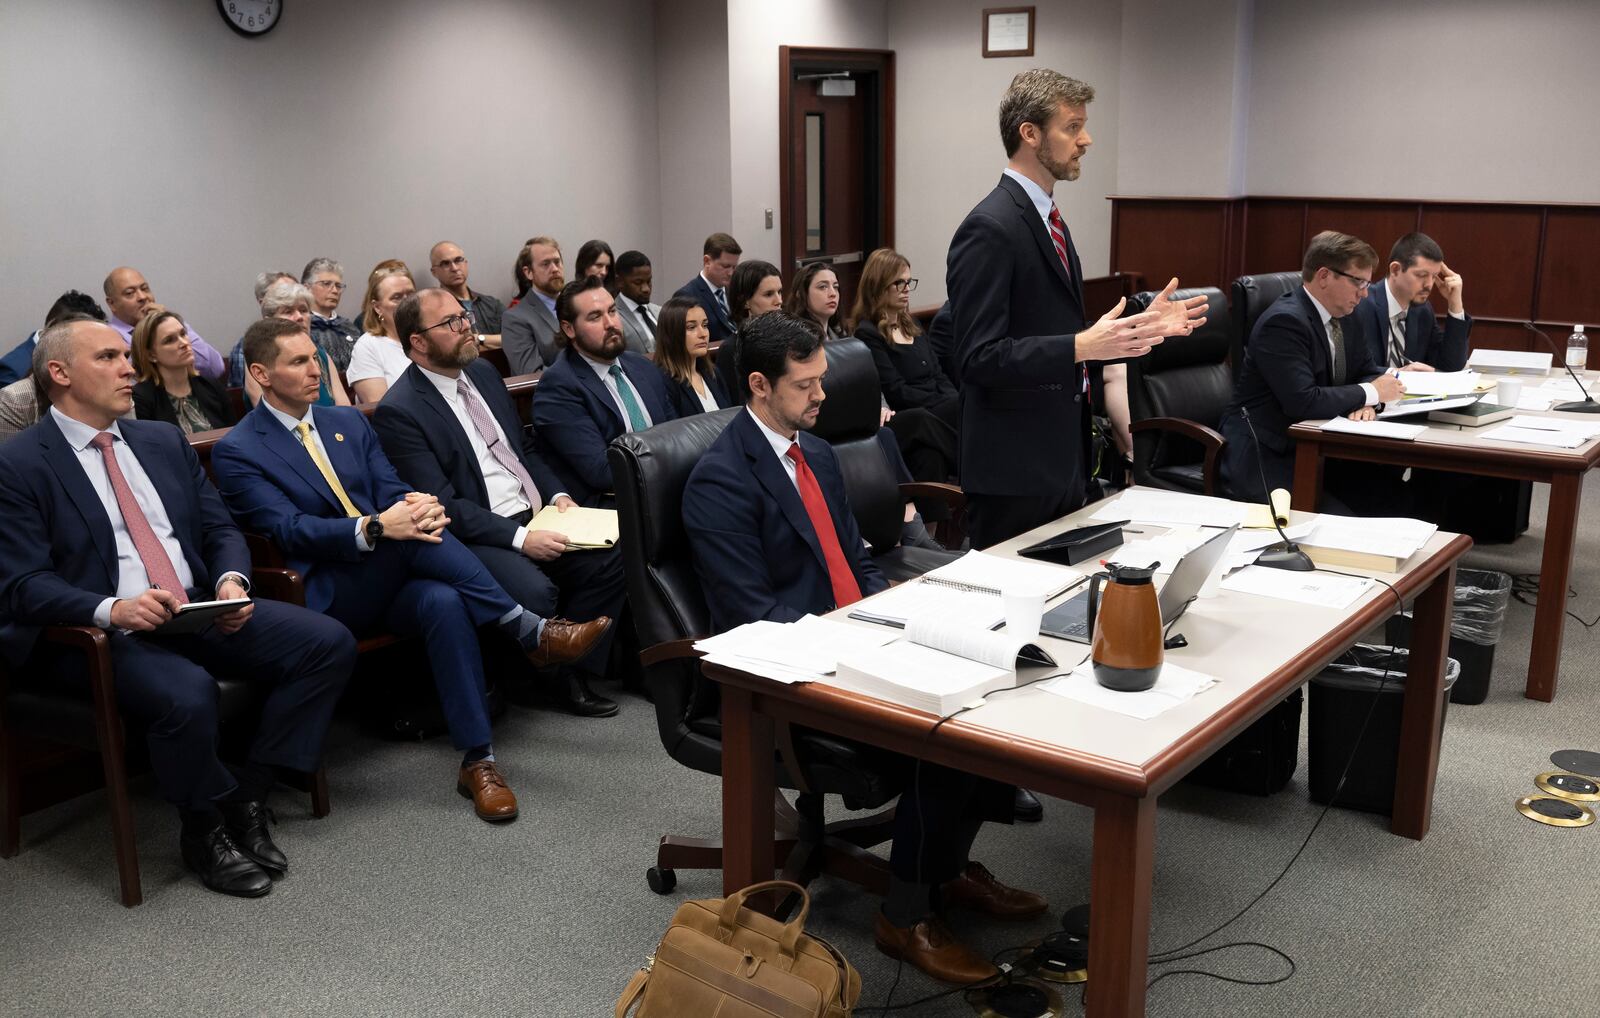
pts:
pixel 149 133
pixel 693 166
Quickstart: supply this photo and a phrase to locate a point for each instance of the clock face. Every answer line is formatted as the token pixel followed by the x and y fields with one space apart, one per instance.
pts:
pixel 250 17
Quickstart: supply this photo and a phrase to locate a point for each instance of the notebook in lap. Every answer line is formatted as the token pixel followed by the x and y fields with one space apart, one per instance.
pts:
pixel 1069 620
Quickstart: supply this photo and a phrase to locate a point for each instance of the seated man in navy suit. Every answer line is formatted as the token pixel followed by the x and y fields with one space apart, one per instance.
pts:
pixel 450 428
pixel 112 523
pixel 773 538
pixel 596 390
pixel 1308 359
pixel 718 259
pixel 1400 324
pixel 373 553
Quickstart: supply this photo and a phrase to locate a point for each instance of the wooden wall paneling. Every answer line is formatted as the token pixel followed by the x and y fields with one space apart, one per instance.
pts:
pixel 1173 237
pixel 1568 291
pixel 1499 333
pixel 1378 223
pixel 1272 236
pixel 1496 250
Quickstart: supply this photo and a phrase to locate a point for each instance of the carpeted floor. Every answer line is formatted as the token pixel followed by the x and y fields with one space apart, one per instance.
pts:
pixel 402 903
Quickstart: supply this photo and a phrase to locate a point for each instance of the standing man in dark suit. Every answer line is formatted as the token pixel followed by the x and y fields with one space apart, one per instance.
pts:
pixel 709 289
pixel 1400 325
pixel 112 523
pixel 449 427
pixel 529 332
pixel 596 390
pixel 375 554
pixel 773 538
pixel 1308 358
pixel 1022 343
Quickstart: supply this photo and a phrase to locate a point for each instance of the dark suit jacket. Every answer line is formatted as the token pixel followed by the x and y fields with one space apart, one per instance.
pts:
pixel 575 417
pixel 1287 377
pixel 908 374
pixel 1441 346
pixel 528 335
pixel 941 333
pixel 686 402
pixel 1024 421
pixel 57 546
pixel 754 547
pixel 431 452
pixel 272 487
pixel 150 402
pixel 697 289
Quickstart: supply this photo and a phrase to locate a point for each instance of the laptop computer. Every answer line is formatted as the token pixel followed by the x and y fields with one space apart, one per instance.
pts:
pixel 1069 620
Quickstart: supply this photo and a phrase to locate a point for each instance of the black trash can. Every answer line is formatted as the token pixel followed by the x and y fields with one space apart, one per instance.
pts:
pixel 1261 759
pixel 1481 599
pixel 1340 698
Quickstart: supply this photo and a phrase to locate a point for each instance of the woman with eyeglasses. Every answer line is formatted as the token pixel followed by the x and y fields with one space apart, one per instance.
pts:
pixel 169 388
pixel 683 344
pixel 379 357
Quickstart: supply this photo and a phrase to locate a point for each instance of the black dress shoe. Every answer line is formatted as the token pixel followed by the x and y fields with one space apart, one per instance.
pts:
pixel 573 694
pixel 247 825
pixel 222 866
pixel 1026 807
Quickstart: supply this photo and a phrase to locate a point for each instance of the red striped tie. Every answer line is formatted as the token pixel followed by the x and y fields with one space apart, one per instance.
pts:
pixel 1058 236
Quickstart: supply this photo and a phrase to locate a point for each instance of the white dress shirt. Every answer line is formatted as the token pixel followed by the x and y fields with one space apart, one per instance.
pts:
pixel 603 372
pixel 780 448
pixel 132 579
pixel 1322 312
pixel 291 423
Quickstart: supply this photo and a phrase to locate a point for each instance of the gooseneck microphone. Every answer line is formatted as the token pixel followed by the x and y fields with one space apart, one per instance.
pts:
pixel 1287 554
pixel 1586 405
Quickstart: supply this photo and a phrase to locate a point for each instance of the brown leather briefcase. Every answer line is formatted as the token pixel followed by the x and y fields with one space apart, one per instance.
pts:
pixel 719 958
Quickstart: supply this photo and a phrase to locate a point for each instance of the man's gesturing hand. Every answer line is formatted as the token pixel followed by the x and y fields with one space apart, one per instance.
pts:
pixel 1112 338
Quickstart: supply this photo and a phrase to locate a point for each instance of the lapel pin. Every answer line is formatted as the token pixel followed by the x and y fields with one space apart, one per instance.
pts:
pixel 337 437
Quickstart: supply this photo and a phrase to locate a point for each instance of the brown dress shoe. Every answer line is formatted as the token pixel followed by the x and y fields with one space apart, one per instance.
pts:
pixel 977 889
pixel 563 641
pixel 931 947
pixel 491 798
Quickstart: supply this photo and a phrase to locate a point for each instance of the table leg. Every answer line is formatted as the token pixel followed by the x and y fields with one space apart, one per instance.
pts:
pixel 1307 476
pixel 1422 712
pixel 1549 618
pixel 1119 907
pixel 747 787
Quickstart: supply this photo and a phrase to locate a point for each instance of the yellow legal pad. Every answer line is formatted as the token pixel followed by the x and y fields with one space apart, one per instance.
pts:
pixel 584 528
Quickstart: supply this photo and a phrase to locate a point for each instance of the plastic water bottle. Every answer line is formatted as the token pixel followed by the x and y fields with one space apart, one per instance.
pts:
pixel 1577 349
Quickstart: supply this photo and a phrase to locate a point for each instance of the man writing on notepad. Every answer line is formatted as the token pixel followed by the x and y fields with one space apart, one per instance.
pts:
pixel 450 428
pixel 1308 359
pixel 773 538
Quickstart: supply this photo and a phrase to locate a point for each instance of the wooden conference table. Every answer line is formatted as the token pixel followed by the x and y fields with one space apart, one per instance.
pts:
pixel 1468 451
pixel 1259 649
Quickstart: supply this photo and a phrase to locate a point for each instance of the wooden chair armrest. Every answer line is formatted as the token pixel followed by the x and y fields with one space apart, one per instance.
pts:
pixel 950 494
pixel 1210 440
pixel 278 584
pixel 96 647
pixel 672 650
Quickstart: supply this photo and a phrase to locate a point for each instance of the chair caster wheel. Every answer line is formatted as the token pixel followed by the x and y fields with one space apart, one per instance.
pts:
pixel 661 881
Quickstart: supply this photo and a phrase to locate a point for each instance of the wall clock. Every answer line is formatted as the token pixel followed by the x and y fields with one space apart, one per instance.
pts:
pixel 250 17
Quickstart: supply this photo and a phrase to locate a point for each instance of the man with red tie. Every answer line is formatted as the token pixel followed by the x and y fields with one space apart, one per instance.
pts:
pixel 773 538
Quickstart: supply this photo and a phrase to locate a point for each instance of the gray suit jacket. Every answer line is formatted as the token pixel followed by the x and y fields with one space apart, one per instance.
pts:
pixel 528 335
pixel 639 337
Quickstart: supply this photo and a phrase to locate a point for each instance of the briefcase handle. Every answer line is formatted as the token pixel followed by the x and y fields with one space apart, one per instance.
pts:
pixel 788 943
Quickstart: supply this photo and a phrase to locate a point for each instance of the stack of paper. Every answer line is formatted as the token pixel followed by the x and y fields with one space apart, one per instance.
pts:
pixel 913 600
pixel 921 677
pixel 1176 685
pixel 803 651
pixel 1440 383
pixel 1509 362
pixel 1380 429
pixel 1379 544
pixel 1319 589
pixel 1552 432
pixel 1153 506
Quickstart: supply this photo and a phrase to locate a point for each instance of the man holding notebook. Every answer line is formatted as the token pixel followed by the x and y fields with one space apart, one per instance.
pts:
pixel 450 428
pixel 773 538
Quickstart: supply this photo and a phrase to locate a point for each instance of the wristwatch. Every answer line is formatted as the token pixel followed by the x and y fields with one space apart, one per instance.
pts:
pixel 374 529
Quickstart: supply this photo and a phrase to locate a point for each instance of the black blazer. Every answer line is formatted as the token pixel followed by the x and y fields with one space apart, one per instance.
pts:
pixel 1024 421
pixel 1442 347
pixel 908 374
pixel 1287 377
pixel 430 450
pixel 150 402
pixel 686 402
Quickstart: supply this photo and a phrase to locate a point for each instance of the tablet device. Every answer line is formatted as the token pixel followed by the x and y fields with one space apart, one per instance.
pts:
pixel 197 615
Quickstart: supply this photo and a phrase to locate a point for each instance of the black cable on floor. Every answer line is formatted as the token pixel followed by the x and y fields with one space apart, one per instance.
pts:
pixel 1525 588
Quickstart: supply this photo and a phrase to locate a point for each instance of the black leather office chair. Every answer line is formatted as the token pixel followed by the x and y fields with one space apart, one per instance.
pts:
pixel 848 421
pixel 1176 395
pixel 650 469
pixel 1251 296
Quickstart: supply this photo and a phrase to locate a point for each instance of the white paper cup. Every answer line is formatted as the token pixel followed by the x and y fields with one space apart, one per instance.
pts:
pixel 1508 391
pixel 1024 612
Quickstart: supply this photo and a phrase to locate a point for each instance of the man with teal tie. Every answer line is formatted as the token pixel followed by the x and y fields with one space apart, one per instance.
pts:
pixel 596 390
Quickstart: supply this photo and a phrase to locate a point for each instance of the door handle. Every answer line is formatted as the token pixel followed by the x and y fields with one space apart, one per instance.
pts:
pixel 847 258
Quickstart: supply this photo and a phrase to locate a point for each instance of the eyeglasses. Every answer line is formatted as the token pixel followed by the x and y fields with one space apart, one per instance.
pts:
pixel 328 284
pixel 451 263
pixel 903 285
pixel 455 323
pixel 1361 284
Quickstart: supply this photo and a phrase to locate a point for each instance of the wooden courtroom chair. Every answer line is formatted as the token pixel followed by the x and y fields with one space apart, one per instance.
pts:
pixel 1176 395
pixel 1252 295
pixel 650 469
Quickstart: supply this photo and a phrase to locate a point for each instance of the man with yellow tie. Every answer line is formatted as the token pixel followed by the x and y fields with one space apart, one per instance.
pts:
pixel 374 555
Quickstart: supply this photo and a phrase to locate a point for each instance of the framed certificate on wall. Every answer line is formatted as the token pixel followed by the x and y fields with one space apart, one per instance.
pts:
pixel 1008 31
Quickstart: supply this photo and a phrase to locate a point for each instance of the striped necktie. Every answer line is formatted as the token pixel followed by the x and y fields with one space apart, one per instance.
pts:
pixel 1397 342
pixel 1058 237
